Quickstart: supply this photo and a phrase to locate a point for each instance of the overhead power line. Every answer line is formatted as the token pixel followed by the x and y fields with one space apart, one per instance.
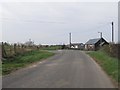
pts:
pixel 30 21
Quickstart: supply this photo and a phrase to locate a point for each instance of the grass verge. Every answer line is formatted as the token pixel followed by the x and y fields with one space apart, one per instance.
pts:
pixel 109 64
pixel 12 64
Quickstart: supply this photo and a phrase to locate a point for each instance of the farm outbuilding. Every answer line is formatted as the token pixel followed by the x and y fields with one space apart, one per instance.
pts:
pixel 95 44
pixel 79 46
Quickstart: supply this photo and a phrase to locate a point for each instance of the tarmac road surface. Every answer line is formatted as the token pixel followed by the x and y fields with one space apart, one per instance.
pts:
pixel 67 69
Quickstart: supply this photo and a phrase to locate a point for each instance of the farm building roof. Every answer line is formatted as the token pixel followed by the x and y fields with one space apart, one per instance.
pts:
pixel 76 43
pixel 93 41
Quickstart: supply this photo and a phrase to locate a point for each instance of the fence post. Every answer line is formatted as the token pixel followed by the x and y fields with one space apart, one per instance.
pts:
pixel 11 50
pixel 22 48
pixel 15 51
pixel 3 51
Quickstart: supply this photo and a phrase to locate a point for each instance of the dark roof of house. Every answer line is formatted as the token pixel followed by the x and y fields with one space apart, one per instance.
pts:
pixel 93 41
pixel 76 43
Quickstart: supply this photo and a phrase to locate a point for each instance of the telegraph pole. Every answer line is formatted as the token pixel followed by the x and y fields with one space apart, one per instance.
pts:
pixel 100 38
pixel 112 32
pixel 70 39
pixel 100 34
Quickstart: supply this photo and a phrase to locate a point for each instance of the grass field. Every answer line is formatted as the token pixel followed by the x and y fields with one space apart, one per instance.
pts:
pixel 12 64
pixel 109 64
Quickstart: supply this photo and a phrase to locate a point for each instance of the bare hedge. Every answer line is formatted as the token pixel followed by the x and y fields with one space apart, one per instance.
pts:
pixel 113 50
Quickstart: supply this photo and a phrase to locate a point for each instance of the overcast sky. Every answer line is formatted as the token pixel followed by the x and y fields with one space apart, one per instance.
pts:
pixel 51 22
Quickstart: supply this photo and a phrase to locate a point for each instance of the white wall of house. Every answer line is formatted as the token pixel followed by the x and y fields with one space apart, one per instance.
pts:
pixel 86 47
pixel 76 46
pixel 89 47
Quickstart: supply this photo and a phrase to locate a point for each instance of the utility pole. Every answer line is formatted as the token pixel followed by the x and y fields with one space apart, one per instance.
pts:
pixel 100 38
pixel 70 39
pixel 100 34
pixel 112 32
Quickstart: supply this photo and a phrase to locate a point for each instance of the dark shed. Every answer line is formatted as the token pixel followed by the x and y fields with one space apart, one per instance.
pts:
pixel 95 44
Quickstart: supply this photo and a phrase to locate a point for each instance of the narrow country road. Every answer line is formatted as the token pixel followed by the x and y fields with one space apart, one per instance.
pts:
pixel 67 69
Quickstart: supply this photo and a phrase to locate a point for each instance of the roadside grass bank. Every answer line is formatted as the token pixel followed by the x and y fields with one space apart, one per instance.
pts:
pixel 0 69
pixel 108 63
pixel 11 64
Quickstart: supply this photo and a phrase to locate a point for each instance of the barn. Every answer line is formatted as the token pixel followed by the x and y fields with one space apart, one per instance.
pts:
pixel 77 46
pixel 95 44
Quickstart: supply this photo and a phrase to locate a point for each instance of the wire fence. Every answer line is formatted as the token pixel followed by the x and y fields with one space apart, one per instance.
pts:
pixel 11 50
